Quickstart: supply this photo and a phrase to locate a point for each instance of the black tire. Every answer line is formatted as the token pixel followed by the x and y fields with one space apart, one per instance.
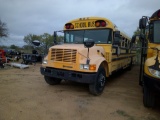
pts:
pixel 98 86
pixel 52 80
pixel 2 66
pixel 141 77
pixel 148 97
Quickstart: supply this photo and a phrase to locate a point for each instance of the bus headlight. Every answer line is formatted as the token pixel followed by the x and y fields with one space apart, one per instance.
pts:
pixel 84 66
pixel 154 72
pixel 87 67
pixel 44 61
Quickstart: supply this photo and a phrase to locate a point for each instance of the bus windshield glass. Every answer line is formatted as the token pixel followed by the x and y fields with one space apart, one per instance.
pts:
pixel 156 35
pixel 102 36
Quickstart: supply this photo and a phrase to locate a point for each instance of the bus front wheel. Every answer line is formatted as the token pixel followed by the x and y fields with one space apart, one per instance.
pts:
pixel 148 97
pixel 98 86
pixel 52 80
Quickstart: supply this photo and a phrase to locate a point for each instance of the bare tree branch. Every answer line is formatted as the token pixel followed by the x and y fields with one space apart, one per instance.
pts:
pixel 3 29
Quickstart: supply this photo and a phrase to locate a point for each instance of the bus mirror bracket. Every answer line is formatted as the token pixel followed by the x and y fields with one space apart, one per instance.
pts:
pixel 55 37
pixel 88 44
pixel 118 51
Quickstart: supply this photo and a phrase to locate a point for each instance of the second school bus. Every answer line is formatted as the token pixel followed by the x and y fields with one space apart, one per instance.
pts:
pixel 93 49
pixel 149 77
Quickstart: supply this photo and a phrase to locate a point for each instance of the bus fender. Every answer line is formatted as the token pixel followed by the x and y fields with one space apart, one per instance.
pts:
pixel 100 61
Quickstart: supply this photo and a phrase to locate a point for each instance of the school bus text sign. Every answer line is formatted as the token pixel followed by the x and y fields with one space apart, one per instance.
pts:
pixel 84 24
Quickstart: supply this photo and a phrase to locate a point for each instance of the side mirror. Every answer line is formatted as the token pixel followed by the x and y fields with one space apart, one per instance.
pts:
pixel 143 22
pixel 117 38
pixel 88 43
pixel 36 42
pixel 117 34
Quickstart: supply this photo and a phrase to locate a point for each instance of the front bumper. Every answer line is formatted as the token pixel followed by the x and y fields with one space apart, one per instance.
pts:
pixel 152 83
pixel 69 75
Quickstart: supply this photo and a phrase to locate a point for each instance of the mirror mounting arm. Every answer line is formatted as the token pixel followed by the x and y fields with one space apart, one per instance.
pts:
pixel 55 37
pixel 88 44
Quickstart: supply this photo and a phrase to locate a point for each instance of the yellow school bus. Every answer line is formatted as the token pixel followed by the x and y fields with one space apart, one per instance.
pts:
pixel 150 56
pixel 93 49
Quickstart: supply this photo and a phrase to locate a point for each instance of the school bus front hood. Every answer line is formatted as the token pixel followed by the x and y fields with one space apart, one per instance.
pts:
pixel 152 65
pixel 152 61
pixel 79 47
pixel 70 56
pixel 156 57
pixel 69 46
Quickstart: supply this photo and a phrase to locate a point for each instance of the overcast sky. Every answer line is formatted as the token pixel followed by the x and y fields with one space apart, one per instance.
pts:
pixel 44 16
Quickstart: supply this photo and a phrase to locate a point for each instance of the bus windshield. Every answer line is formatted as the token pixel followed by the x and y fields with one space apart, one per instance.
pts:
pixel 78 36
pixel 154 32
pixel 156 35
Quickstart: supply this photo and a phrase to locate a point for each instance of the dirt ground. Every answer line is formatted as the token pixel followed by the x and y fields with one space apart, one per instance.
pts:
pixel 24 95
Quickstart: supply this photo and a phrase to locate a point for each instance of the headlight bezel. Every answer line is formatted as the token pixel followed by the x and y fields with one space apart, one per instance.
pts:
pixel 87 67
pixel 84 67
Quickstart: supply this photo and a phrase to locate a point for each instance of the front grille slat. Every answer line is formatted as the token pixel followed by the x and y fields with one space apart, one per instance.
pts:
pixel 64 55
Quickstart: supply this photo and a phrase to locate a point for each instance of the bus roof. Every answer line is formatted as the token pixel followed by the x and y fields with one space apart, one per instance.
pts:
pixel 89 20
pixel 155 15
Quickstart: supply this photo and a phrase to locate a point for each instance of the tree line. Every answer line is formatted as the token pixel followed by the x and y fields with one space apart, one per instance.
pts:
pixel 3 29
pixel 46 39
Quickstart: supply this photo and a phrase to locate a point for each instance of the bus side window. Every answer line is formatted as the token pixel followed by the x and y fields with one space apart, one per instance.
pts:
pixel 126 43
pixel 122 42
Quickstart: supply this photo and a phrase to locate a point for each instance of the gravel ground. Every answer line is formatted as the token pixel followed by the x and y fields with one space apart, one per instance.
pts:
pixel 24 95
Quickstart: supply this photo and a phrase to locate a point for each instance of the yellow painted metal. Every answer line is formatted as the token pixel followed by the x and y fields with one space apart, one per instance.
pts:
pixel 70 56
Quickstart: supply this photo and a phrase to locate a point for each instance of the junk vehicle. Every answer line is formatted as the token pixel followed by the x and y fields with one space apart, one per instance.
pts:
pixel 31 58
pixel 149 77
pixel 2 58
pixel 93 49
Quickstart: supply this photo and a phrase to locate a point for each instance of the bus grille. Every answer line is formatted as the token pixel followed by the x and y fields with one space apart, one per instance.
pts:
pixel 64 55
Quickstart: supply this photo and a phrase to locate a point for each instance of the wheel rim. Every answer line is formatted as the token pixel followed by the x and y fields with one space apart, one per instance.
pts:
pixel 101 82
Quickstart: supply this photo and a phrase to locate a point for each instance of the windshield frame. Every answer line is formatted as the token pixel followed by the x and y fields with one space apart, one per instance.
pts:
pixel 84 36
